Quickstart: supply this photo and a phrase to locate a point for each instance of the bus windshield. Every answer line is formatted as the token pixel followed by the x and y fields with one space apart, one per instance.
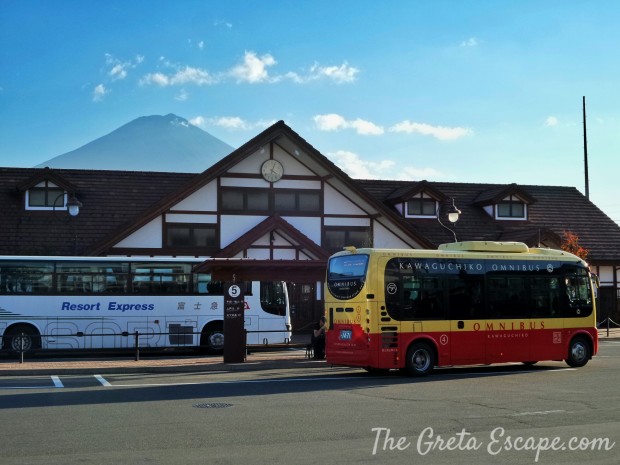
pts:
pixel 346 275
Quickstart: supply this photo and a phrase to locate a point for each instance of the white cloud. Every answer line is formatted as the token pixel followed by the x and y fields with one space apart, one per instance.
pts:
pixel 366 128
pixel 119 69
pixel 335 122
pixel 222 23
pixel 551 121
pixel 339 74
pixel 471 42
pixel 198 121
pixel 186 75
pixel 201 44
pixel 254 68
pixel 99 92
pixel 182 96
pixel 352 164
pixel 438 132
pixel 231 123
pixel 330 122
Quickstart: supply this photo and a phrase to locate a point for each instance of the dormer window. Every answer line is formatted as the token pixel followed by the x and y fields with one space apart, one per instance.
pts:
pixel 421 205
pixel 511 208
pixel 46 196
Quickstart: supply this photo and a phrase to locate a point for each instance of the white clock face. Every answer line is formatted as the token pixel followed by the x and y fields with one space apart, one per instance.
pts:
pixel 272 170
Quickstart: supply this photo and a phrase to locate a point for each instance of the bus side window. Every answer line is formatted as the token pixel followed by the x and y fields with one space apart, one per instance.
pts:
pixel 429 302
pixel 577 293
pixel 465 300
pixel 545 297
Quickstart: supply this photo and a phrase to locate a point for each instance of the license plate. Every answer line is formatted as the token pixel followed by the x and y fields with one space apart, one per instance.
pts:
pixel 346 334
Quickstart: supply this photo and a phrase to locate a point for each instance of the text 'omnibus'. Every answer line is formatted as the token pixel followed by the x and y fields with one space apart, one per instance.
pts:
pixel 466 303
pixel 98 303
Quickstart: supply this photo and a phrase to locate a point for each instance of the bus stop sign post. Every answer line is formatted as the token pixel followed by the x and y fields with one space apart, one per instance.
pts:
pixel 234 333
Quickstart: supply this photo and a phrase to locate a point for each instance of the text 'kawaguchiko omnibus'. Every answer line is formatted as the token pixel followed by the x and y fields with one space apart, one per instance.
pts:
pixel 463 304
pixel 99 302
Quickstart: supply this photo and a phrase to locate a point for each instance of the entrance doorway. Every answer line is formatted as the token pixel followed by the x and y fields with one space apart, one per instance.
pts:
pixel 305 308
pixel 607 306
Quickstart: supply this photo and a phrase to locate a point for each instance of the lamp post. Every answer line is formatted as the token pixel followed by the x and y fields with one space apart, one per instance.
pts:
pixel 73 205
pixel 73 208
pixel 453 217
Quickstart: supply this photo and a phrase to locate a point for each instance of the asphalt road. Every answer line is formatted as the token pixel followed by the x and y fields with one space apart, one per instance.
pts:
pixel 509 414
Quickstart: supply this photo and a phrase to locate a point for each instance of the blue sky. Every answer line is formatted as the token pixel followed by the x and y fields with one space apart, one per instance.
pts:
pixel 459 91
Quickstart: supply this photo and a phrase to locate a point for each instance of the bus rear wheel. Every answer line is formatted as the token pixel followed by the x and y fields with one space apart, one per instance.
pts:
pixel 578 352
pixel 420 359
pixel 212 339
pixel 21 338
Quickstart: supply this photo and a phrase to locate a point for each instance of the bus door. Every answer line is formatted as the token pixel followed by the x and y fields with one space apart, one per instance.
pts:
pixel 467 342
pixel 508 319
pixel 467 338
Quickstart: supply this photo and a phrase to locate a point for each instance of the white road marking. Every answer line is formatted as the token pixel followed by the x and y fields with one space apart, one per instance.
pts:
pixel 544 412
pixel 57 382
pixel 102 380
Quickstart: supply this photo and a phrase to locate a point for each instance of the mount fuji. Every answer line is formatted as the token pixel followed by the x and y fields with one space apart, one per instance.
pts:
pixel 149 143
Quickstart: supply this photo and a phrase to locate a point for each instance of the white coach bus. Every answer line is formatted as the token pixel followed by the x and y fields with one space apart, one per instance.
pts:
pixel 101 302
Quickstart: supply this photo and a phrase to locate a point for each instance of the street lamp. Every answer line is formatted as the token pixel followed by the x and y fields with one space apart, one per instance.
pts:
pixel 453 213
pixel 73 204
pixel 73 208
pixel 453 217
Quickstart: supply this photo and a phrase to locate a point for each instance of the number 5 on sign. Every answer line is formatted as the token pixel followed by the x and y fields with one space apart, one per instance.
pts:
pixel 234 291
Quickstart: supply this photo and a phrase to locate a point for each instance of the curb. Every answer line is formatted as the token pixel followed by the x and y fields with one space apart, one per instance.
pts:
pixel 39 367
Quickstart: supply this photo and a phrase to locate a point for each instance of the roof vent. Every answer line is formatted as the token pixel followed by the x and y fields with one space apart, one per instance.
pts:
pixel 485 246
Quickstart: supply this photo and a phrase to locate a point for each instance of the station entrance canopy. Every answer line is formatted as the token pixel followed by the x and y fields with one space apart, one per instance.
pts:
pixel 249 269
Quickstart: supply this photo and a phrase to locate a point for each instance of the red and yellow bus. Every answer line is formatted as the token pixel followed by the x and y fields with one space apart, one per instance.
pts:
pixel 466 303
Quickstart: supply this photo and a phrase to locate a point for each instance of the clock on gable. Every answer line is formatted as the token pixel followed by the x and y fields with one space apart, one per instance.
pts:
pixel 272 170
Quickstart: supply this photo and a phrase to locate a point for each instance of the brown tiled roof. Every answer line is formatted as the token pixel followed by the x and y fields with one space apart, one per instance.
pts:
pixel 406 192
pixel 115 203
pixel 555 209
pixel 496 193
pixel 110 200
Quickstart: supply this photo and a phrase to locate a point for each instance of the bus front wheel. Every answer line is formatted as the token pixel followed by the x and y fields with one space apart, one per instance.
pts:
pixel 420 359
pixel 22 338
pixel 578 352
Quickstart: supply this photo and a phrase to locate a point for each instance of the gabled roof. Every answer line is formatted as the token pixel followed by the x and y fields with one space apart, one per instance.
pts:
pixel 276 131
pixel 110 200
pixel 496 194
pixel 554 209
pixel 46 174
pixel 277 225
pixel 406 192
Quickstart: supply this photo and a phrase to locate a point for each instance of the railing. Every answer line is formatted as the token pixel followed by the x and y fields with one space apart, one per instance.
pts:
pixel 25 341
pixel 609 323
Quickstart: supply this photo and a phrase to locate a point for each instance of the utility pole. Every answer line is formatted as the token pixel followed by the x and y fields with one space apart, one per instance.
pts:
pixel 585 150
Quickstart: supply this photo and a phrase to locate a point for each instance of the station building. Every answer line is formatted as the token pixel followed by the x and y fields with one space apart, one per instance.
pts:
pixel 279 201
